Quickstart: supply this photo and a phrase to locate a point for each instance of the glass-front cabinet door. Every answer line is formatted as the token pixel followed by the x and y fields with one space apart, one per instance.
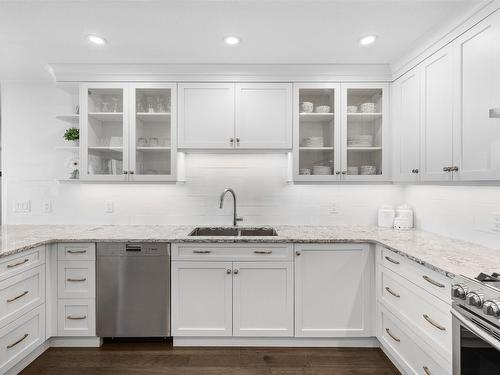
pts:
pixel 316 132
pixel 104 131
pixel 152 132
pixel 364 107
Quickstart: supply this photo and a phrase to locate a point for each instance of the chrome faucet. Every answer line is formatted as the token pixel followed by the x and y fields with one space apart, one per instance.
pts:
pixel 236 218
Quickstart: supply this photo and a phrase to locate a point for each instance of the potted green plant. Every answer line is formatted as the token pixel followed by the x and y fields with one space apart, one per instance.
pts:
pixel 72 135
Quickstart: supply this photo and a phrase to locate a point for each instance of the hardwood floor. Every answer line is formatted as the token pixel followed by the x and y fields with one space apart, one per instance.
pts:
pixel 158 358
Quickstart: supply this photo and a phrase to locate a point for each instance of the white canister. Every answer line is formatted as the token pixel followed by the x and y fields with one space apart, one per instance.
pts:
pixel 405 214
pixel 386 216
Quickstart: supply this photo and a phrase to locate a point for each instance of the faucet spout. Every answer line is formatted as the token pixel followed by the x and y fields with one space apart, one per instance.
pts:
pixel 236 218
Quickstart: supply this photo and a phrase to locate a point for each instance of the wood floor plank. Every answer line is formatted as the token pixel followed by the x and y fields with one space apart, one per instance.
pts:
pixel 161 358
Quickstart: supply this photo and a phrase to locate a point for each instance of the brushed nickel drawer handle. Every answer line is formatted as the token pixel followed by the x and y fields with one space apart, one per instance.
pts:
pixel 426 370
pixel 77 280
pixel 236 271
pixel 18 341
pixel 298 253
pixel 201 251
pixel 17 264
pixel 19 296
pixel 76 251
pixel 392 292
pixel 263 252
pixel 434 323
pixel 433 282
pixel 76 317
pixel 392 260
pixel 392 336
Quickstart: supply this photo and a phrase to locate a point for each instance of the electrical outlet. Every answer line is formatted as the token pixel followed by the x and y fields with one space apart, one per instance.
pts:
pixel 22 206
pixel 47 206
pixel 496 222
pixel 108 207
pixel 333 209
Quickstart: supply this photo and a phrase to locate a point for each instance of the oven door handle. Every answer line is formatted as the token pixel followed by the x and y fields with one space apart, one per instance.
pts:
pixel 476 330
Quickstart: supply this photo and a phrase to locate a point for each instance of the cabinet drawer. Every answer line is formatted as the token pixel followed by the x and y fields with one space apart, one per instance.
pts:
pixel 76 317
pixel 230 252
pixel 76 279
pixel 426 314
pixel 21 293
pixel 21 337
pixel 76 251
pixel 397 339
pixel 433 282
pixel 15 264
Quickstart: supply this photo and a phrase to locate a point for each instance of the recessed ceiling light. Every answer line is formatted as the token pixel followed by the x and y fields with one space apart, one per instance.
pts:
pixel 232 40
pixel 96 39
pixel 367 40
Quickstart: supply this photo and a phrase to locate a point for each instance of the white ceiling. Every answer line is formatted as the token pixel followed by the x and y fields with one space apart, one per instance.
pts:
pixel 35 33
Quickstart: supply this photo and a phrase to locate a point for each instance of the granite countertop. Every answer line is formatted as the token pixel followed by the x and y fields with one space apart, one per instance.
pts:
pixel 442 254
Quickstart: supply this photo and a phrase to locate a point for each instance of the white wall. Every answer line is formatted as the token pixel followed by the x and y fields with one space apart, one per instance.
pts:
pixel 31 165
pixel 464 212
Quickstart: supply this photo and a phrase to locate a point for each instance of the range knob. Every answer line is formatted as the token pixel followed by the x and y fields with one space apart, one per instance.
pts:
pixel 459 291
pixel 475 299
pixel 492 308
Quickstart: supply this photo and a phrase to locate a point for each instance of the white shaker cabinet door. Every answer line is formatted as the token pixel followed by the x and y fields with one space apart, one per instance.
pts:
pixel 437 116
pixel 333 295
pixel 263 299
pixel 201 298
pixel 477 136
pixel 206 115
pixel 407 127
pixel 264 116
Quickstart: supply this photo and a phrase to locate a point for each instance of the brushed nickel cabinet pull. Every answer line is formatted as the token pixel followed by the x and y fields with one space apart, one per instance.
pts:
pixel 446 169
pixel 228 271
pixel 454 169
pixel 433 282
pixel 19 296
pixel 392 336
pixel 298 253
pixel 236 271
pixel 426 370
pixel 77 280
pixel 17 264
pixel 18 341
pixel 231 140
pixel 434 323
pixel 201 251
pixel 76 251
pixel 263 252
pixel 392 292
pixel 76 317
pixel 392 260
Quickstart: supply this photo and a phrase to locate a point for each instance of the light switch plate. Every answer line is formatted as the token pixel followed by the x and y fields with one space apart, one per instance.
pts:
pixel 22 206
pixel 47 206
pixel 108 206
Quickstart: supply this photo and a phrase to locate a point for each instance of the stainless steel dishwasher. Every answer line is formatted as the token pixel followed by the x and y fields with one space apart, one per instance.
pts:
pixel 133 290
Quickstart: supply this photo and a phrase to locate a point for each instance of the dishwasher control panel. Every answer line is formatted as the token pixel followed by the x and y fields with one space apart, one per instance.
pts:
pixel 134 249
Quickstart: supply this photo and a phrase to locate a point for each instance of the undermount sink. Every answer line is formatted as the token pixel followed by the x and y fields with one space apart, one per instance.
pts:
pixel 233 232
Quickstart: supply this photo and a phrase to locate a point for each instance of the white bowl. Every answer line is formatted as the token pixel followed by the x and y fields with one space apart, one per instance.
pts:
pixel 322 109
pixel 367 107
pixel 307 107
pixel 352 109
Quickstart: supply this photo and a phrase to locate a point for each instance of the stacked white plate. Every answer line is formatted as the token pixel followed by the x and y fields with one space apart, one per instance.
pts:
pixel 313 142
pixel 367 108
pixel 321 170
pixel 360 140
pixel 368 169
pixel 352 170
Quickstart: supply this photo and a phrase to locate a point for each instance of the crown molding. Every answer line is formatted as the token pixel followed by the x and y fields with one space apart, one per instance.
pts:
pixel 219 72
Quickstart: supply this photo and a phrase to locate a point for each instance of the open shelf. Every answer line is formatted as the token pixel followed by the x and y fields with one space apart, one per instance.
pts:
pixel 316 117
pixel 106 116
pixel 71 118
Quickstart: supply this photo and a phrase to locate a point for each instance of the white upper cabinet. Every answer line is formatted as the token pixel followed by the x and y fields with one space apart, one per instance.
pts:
pixel 264 115
pixel 206 116
pixel 235 116
pixel 407 127
pixel 477 136
pixel 128 132
pixel 333 290
pixel 437 116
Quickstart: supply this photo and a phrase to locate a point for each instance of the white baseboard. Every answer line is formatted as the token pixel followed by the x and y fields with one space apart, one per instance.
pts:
pixel 23 363
pixel 75 342
pixel 365 342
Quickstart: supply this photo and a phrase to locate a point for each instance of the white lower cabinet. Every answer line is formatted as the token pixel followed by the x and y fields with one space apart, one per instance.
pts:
pixel 76 317
pixel 262 299
pixel 333 290
pixel 202 298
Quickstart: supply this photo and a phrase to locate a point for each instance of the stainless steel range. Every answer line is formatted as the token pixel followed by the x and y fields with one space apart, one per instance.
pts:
pixel 476 325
